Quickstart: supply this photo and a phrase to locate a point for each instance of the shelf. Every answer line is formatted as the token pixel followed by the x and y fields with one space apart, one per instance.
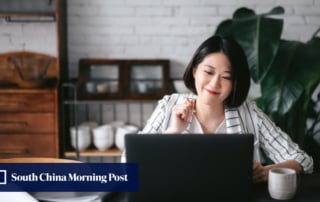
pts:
pixel 29 10
pixel 80 102
pixel 113 152
pixel 28 6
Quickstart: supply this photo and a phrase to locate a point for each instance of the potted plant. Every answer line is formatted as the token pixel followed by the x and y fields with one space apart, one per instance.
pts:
pixel 288 73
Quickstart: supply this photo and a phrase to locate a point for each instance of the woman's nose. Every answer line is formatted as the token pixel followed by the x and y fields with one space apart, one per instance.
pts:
pixel 215 82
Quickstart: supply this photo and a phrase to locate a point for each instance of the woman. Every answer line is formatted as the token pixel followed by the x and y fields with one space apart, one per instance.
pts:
pixel 218 77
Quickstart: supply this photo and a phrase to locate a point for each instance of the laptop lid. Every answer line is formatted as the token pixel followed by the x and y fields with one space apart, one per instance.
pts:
pixel 191 167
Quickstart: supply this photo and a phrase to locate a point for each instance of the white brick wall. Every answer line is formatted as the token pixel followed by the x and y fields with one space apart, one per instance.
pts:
pixel 148 28
pixel 166 28
pixel 38 37
pixel 170 29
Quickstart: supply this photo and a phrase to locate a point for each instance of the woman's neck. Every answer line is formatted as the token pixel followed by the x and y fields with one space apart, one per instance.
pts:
pixel 209 116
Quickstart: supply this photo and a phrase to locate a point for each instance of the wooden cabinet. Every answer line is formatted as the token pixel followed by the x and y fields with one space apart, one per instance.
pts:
pixel 29 111
pixel 28 122
pixel 123 79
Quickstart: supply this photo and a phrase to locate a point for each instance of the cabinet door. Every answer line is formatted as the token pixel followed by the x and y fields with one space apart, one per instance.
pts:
pixel 105 79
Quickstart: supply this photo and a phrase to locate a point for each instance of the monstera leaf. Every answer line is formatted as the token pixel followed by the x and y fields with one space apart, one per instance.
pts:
pixel 295 70
pixel 259 36
pixel 288 73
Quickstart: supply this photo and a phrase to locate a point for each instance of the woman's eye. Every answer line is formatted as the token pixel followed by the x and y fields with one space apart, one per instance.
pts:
pixel 208 72
pixel 227 78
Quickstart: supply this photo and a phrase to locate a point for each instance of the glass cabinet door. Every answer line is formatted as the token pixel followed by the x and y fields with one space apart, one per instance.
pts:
pixel 123 79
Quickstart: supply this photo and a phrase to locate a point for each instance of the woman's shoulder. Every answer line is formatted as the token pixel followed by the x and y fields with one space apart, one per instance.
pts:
pixel 250 106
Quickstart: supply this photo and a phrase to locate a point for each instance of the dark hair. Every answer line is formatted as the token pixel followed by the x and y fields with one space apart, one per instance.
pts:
pixel 239 67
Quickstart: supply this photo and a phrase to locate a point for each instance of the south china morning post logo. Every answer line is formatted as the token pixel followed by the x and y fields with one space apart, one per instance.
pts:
pixel 70 177
pixel 37 177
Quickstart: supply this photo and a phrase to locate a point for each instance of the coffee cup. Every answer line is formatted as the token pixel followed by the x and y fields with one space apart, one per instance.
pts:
pixel 282 183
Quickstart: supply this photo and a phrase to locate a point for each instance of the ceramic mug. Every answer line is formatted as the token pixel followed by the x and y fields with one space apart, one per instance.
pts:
pixel 282 183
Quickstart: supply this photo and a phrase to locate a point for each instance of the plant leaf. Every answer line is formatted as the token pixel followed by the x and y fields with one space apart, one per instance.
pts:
pixel 258 35
pixel 273 86
pixel 243 13
pixel 276 11
pixel 291 74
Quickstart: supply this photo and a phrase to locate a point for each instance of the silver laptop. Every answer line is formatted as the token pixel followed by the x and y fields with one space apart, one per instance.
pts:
pixel 192 167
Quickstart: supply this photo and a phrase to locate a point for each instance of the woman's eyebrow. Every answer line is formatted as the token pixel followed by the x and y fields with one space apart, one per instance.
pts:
pixel 210 66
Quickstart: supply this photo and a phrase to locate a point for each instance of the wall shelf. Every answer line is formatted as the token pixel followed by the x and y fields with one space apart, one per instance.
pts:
pixel 28 10
pixel 104 110
pixel 113 152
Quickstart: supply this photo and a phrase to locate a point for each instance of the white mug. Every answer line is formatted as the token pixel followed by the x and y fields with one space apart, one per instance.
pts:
pixel 282 183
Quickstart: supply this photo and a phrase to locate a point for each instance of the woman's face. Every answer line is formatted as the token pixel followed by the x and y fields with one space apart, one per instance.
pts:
pixel 213 79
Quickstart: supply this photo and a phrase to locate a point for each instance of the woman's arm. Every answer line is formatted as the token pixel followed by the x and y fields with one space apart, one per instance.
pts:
pixel 279 147
pixel 161 116
pixel 260 172
pixel 181 115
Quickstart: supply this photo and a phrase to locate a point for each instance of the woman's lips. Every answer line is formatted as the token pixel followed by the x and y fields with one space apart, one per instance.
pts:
pixel 212 92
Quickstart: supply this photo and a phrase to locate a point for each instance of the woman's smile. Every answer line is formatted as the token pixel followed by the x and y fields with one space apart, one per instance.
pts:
pixel 212 92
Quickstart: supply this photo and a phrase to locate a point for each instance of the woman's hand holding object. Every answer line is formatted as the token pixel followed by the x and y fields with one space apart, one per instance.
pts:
pixel 181 116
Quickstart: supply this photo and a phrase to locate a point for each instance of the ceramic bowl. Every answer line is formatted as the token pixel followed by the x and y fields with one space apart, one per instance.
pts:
pixel 103 137
pixel 84 137
pixel 121 132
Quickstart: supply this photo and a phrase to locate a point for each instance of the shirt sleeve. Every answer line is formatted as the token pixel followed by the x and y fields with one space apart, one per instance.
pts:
pixel 156 122
pixel 277 145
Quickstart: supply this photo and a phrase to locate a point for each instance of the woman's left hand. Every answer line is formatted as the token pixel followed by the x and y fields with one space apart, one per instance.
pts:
pixel 260 173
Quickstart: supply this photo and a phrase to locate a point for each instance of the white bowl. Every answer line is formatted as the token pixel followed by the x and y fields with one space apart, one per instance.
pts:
pixel 103 144
pixel 122 131
pixel 84 137
pixel 180 87
pixel 103 137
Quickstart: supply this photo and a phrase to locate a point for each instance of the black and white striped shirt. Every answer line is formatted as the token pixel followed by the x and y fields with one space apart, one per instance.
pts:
pixel 247 118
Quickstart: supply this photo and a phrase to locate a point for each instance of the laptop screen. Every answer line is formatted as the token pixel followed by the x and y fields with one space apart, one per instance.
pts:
pixel 192 167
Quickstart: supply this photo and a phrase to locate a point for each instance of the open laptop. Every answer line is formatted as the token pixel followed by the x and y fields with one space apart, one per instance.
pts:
pixel 192 167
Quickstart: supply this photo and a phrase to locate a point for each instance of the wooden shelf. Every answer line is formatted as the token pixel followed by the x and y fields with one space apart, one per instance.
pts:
pixel 113 152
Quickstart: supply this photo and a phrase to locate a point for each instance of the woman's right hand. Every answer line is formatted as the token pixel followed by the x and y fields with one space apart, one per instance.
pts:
pixel 181 116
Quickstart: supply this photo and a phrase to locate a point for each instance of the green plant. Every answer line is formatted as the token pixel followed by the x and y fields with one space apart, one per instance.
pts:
pixel 288 72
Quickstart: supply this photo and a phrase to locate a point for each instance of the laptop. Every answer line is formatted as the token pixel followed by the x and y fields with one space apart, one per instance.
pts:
pixel 192 167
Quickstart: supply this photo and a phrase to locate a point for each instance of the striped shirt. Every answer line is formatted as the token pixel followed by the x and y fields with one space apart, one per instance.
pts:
pixel 246 119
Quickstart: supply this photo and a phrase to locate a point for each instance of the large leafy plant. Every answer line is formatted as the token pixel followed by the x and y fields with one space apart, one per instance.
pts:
pixel 288 72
